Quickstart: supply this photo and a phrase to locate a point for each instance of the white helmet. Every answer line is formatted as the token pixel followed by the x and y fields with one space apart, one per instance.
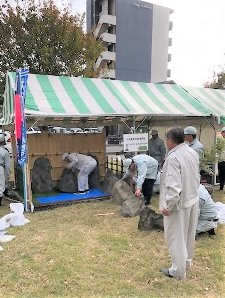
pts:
pixel 126 163
pixel 65 155
pixel 2 138
pixel 190 130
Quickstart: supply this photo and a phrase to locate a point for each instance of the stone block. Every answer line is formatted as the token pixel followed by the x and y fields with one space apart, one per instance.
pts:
pixel 41 176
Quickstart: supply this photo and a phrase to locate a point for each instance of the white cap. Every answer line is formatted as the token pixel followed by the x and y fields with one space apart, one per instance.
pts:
pixel 126 163
pixel 65 155
pixel 223 129
pixel 2 137
pixel 190 130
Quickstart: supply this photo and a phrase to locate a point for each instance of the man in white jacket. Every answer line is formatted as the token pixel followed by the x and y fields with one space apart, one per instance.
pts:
pixel 179 202
pixel 85 164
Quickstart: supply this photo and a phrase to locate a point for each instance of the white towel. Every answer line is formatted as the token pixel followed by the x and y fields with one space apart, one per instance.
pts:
pixel 221 212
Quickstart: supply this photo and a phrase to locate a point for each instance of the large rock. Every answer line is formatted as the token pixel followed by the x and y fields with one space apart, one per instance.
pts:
pixel 150 220
pixel 68 181
pixel 41 176
pixel 123 195
pixel 109 182
pixel 121 191
pixel 131 206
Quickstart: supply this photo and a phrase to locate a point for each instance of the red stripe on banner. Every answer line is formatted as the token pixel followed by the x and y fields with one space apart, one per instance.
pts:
pixel 18 116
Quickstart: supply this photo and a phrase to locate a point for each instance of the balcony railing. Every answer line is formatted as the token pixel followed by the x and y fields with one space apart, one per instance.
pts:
pixel 104 22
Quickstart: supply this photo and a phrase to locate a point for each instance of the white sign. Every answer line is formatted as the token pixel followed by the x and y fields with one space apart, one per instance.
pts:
pixel 135 142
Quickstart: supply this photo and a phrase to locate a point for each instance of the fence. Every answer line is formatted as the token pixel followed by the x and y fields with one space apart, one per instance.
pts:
pixel 52 146
pixel 115 164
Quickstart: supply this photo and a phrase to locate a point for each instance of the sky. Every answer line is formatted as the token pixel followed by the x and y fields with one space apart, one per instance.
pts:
pixel 198 35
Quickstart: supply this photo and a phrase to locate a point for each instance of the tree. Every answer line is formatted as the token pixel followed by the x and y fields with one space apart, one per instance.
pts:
pixel 46 38
pixel 218 80
pixel 212 156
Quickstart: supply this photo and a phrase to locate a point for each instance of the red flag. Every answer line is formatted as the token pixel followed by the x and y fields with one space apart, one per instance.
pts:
pixel 18 116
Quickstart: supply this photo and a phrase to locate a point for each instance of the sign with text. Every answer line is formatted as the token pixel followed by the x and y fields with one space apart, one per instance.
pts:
pixel 135 142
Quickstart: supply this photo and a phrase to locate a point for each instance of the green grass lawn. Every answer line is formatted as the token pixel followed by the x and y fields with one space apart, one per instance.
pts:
pixel 90 250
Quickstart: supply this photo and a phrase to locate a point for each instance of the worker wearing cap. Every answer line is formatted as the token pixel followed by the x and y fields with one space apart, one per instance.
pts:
pixel 4 166
pixel 84 163
pixel 190 137
pixel 221 164
pixel 156 147
pixel 146 168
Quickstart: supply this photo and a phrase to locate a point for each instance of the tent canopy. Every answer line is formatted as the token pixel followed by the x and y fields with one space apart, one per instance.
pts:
pixel 213 99
pixel 61 97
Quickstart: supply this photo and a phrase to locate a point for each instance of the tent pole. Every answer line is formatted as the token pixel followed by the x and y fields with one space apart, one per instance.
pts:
pixel 214 128
pixel 141 123
pixel 35 122
pixel 25 186
pixel 148 130
pixel 126 124
pixel 133 130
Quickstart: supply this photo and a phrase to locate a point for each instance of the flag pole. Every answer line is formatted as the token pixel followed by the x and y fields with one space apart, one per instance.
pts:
pixel 25 197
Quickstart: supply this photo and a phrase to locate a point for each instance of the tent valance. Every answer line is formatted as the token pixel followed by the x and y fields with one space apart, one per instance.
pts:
pixel 76 97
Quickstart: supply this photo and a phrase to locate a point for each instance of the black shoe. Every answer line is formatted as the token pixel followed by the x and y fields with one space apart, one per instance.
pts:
pixel 211 232
pixel 166 273
pixel 6 193
pixel 147 203
pixel 0 201
pixel 200 233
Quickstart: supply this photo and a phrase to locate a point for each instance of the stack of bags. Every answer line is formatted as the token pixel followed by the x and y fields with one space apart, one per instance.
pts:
pixel 13 219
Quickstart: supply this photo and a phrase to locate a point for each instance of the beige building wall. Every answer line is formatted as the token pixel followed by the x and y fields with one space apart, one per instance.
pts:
pixel 206 130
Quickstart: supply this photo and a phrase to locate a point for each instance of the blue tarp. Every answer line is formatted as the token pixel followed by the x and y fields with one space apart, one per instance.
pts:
pixel 67 197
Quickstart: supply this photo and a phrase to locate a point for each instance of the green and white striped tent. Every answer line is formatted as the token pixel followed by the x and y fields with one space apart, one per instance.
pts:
pixel 76 98
pixel 213 99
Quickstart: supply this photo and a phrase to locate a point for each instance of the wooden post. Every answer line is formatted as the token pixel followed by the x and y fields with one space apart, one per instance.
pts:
pixel 117 168
pixel 111 163
pixel 29 191
pixel 107 162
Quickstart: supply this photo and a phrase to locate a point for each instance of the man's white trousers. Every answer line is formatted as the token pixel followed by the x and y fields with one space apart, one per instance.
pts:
pixel 83 175
pixel 180 229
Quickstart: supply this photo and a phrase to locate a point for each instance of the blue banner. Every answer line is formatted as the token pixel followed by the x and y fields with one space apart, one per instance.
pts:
pixel 21 88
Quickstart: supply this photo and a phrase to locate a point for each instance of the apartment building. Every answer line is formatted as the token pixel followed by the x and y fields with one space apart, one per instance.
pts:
pixel 136 39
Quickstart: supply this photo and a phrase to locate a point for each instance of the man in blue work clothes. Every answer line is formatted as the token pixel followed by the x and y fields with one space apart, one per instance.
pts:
pixel 157 148
pixel 143 169
pixel 208 214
